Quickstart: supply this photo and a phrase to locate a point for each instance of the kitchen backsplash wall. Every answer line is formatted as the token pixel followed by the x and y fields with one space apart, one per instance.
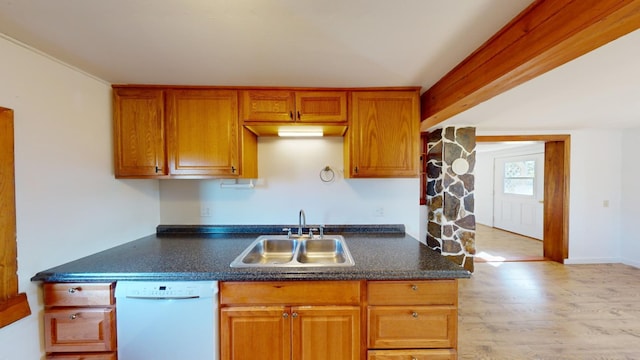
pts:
pixel 289 180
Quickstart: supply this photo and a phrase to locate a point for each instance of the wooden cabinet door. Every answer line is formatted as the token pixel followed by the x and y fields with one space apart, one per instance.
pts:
pixel 139 149
pixel 202 132
pixel 79 329
pixel 321 106
pixel 325 332
pixel 384 134
pixel 268 105
pixel 255 332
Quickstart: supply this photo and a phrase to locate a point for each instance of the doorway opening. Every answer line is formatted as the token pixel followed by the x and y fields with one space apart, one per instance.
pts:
pixel 555 194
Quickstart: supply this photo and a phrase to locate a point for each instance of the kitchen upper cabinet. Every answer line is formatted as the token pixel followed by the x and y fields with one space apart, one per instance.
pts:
pixel 299 320
pixel 203 132
pixel 265 111
pixel 383 136
pixel 173 132
pixel 139 146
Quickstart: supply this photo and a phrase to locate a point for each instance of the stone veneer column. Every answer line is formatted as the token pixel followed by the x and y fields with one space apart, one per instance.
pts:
pixel 451 220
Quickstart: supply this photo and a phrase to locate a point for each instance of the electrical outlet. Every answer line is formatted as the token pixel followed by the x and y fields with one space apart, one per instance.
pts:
pixel 378 212
pixel 205 211
pixel 605 203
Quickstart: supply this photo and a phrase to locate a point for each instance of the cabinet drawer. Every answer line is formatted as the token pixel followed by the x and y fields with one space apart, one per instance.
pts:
pixel 291 293
pixel 72 294
pixel 82 356
pixel 412 354
pixel 412 327
pixel 419 292
pixel 79 329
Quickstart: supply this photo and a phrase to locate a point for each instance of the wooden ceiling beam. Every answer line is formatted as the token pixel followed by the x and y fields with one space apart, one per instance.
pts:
pixel 544 36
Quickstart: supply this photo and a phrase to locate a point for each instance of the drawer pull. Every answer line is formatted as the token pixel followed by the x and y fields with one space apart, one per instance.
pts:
pixel 73 316
pixel 73 290
pixel 415 315
pixel 414 287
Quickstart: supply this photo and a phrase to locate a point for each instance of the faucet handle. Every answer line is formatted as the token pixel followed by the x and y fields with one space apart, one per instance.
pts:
pixel 288 230
pixel 311 230
pixel 321 231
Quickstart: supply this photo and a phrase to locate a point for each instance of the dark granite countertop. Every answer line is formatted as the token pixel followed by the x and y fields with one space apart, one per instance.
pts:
pixel 381 252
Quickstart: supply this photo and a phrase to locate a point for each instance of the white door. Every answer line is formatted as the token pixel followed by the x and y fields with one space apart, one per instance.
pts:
pixel 519 194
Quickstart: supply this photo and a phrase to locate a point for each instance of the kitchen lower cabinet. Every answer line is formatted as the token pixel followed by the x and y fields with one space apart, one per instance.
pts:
pixel 79 321
pixel 309 320
pixel 412 354
pixel 110 356
pixel 412 319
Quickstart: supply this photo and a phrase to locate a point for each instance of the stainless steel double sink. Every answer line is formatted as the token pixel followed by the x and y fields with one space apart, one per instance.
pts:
pixel 295 251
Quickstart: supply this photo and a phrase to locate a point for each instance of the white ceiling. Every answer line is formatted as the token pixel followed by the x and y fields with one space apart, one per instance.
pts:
pixel 324 43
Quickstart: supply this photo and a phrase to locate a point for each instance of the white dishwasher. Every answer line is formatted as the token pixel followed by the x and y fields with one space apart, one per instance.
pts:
pixel 167 320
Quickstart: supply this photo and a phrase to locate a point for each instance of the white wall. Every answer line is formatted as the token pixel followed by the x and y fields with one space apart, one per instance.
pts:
pixel 594 230
pixel 483 188
pixel 595 176
pixel 630 200
pixel 289 181
pixel 68 203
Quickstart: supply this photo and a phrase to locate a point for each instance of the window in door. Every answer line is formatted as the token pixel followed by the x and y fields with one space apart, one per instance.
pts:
pixel 519 177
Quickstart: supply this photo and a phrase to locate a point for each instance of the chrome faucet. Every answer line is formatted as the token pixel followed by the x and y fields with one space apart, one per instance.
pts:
pixel 302 221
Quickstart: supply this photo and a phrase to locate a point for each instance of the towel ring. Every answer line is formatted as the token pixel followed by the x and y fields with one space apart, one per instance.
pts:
pixel 327 174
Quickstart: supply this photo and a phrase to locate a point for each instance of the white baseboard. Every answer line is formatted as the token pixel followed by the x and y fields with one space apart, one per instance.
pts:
pixel 634 263
pixel 577 261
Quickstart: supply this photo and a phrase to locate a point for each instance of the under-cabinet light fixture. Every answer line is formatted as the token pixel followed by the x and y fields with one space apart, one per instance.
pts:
pixel 300 132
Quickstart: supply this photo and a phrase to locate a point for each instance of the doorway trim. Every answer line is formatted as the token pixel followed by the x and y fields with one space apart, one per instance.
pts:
pixel 556 190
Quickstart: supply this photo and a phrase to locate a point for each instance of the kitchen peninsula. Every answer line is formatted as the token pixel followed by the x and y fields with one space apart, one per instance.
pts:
pixel 400 294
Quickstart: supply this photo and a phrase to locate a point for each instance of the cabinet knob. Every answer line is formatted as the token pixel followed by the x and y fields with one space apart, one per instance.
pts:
pixel 298 115
pixel 414 358
pixel 73 290
pixel 73 316
pixel 285 315
pixel 294 315
pixel 291 115
pixel 157 169
pixel 233 169
pixel 414 287
pixel 414 314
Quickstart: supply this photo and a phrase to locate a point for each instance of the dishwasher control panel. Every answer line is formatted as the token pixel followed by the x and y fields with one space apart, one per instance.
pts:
pixel 164 290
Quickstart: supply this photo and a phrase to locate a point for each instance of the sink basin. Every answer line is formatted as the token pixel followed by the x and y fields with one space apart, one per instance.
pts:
pixel 321 251
pixel 304 251
pixel 271 251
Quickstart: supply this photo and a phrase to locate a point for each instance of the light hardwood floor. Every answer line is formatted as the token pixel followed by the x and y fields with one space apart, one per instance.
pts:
pixel 546 310
pixel 497 245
